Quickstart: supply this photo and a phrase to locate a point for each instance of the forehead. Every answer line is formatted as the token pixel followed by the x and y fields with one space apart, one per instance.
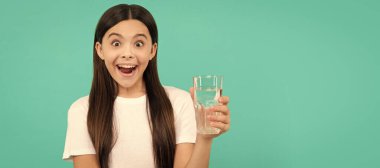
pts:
pixel 129 28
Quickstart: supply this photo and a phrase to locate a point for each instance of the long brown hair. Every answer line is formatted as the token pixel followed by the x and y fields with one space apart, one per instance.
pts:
pixel 104 91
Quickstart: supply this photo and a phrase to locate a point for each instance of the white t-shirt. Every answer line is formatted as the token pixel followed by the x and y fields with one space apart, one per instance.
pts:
pixel 133 147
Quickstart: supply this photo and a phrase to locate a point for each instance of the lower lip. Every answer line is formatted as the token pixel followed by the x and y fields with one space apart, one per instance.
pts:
pixel 127 74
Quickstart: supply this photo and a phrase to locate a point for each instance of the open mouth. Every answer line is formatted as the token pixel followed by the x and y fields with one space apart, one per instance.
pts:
pixel 126 69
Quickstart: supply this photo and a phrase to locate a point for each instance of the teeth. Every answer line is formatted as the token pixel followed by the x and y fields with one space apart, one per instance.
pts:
pixel 127 66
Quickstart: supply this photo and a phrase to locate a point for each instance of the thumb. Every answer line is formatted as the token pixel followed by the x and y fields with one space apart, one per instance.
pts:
pixel 192 92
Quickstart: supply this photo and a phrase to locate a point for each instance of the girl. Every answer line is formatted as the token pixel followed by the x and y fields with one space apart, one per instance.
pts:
pixel 129 119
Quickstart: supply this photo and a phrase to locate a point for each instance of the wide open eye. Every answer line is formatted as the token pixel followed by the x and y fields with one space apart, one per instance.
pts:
pixel 116 43
pixel 139 44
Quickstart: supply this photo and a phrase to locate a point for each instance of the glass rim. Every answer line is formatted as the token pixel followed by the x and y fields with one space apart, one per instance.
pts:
pixel 208 76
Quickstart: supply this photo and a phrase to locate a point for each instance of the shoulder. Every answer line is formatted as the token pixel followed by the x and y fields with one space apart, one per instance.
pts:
pixel 79 107
pixel 176 94
pixel 184 114
pixel 180 99
pixel 81 102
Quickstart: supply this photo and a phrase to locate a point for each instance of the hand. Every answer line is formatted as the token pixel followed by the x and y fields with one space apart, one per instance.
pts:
pixel 221 121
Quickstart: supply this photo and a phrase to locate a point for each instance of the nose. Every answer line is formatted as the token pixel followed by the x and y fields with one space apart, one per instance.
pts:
pixel 128 53
pixel 130 56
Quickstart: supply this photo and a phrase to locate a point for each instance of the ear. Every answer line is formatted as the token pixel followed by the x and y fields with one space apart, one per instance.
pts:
pixel 99 51
pixel 153 51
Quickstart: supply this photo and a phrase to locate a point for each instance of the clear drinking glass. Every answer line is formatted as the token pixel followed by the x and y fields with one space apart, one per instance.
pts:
pixel 207 90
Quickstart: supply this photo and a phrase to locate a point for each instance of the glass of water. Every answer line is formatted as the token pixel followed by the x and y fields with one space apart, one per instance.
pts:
pixel 207 90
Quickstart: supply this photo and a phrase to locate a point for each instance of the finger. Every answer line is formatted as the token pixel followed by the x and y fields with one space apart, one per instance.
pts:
pixel 224 100
pixel 192 92
pixel 219 118
pixel 221 108
pixel 222 126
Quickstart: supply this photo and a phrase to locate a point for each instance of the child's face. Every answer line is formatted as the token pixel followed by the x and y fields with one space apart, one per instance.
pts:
pixel 126 50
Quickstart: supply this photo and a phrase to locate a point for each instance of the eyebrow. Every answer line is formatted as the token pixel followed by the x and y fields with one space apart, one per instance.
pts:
pixel 119 35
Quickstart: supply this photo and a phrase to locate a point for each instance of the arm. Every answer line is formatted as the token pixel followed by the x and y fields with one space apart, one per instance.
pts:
pixel 197 155
pixel 193 155
pixel 78 144
pixel 85 161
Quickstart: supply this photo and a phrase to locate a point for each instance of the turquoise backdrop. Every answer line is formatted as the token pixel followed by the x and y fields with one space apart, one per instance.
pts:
pixel 303 76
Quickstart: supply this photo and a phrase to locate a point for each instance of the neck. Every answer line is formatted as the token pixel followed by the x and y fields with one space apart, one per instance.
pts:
pixel 134 91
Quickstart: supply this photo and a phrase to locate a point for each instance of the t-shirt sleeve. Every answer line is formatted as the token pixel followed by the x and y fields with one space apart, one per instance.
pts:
pixel 185 123
pixel 78 141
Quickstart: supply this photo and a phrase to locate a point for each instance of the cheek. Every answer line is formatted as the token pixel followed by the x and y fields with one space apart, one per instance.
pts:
pixel 109 52
pixel 144 60
pixel 109 57
pixel 109 61
pixel 110 68
pixel 143 63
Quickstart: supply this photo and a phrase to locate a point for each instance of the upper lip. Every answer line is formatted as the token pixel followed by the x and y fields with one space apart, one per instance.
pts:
pixel 126 64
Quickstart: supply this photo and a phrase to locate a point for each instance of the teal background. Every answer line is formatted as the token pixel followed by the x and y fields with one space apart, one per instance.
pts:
pixel 303 76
